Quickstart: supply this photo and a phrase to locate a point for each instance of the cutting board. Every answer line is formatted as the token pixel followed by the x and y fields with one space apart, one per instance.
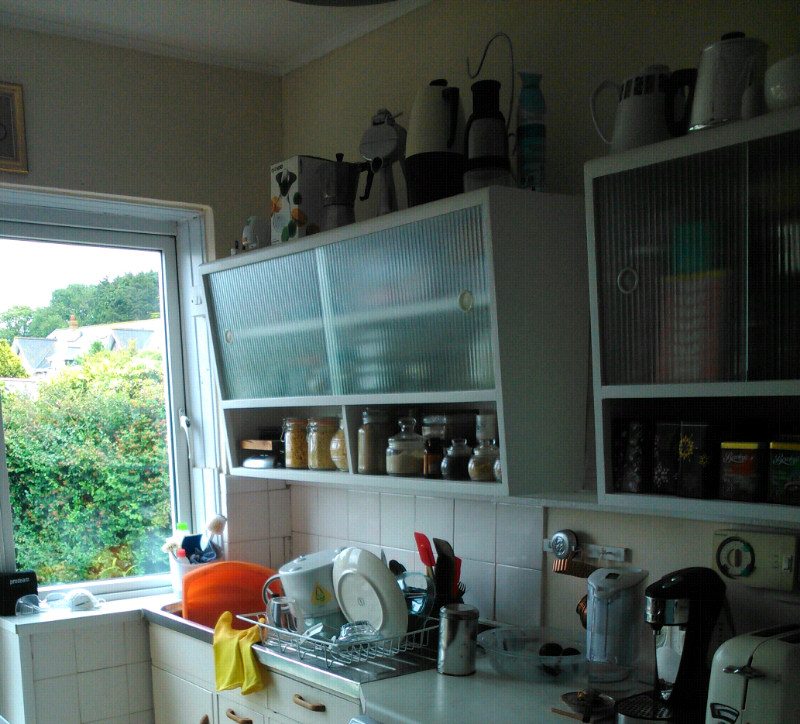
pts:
pixel 233 586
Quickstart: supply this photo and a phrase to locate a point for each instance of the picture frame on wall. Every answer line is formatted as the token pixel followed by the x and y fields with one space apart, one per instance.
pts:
pixel 13 150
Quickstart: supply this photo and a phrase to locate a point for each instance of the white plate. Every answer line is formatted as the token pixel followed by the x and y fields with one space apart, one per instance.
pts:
pixel 367 591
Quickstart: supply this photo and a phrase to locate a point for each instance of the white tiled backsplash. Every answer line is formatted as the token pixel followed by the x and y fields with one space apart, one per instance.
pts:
pixel 500 544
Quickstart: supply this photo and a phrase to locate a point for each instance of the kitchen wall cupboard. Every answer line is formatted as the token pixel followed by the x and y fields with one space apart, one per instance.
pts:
pixel 694 258
pixel 476 303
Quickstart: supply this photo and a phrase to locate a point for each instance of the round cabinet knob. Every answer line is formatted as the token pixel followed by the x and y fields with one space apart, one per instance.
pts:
pixel 466 301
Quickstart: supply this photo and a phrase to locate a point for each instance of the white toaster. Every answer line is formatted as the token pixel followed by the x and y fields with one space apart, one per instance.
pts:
pixel 755 678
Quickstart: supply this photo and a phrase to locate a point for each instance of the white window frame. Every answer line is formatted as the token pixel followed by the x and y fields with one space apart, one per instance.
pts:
pixel 183 233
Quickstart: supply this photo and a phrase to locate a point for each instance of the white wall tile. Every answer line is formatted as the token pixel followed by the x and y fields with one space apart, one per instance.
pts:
pixel 280 513
pixel 143 717
pixel 478 576
pixel 100 647
pixel 518 600
pixel 328 544
pixel 250 551
pixel 137 642
pixel 305 509
pixel 115 720
pixel 303 543
pixel 406 558
pixel 333 513
pixel 474 530
pixel 364 517
pixel 520 529
pixel 140 686
pixel 248 517
pixel 53 654
pixel 103 694
pixel 397 521
pixel 280 551
pixel 434 518
pixel 57 700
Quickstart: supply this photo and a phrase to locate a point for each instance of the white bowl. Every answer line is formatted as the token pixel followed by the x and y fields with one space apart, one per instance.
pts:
pixel 782 83
pixel 368 591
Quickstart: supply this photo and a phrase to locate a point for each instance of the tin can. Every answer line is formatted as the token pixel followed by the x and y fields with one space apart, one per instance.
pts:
pixel 458 639
pixel 742 471
pixel 784 473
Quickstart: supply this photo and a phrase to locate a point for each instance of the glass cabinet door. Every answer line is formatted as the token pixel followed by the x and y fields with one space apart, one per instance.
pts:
pixel 407 308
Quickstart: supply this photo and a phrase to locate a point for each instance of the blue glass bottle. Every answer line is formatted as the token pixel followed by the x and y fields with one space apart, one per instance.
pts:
pixel 531 133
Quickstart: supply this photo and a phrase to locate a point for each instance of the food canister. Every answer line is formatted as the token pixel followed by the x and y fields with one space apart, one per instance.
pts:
pixel 339 449
pixel 458 639
pixel 373 436
pixel 295 443
pixel 742 471
pixel 320 433
pixel 784 473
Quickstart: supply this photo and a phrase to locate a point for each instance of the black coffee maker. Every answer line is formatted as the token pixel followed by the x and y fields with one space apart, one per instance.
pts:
pixel 691 600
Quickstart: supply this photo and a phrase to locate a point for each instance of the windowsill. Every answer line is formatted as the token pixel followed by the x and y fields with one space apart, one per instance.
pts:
pixel 59 619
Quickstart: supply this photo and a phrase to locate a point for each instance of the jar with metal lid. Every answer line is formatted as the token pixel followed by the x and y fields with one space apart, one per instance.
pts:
pixel 433 434
pixel 373 437
pixel 481 464
pixel 455 464
pixel 295 442
pixel 405 450
pixel 339 449
pixel 320 433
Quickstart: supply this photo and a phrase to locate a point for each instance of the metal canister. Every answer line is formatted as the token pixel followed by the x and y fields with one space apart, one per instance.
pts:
pixel 458 639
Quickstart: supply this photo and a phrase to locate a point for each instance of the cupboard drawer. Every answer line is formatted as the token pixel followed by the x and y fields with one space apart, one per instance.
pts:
pixel 286 697
pixel 182 655
pixel 231 710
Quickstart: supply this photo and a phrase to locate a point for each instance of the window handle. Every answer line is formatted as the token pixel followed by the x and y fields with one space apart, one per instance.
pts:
pixel 186 423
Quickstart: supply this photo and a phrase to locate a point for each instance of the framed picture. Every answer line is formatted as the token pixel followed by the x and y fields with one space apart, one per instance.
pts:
pixel 13 151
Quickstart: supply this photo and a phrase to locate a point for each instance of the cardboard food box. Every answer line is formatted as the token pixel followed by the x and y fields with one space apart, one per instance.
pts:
pixel 295 198
pixel 784 473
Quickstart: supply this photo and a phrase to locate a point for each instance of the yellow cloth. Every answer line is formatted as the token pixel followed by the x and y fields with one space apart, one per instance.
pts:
pixel 234 661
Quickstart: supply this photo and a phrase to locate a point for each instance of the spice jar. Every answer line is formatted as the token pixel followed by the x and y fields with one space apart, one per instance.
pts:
pixel 498 471
pixel 295 443
pixel 455 464
pixel 433 434
pixel 481 464
pixel 373 437
pixel 339 449
pixel 320 433
pixel 405 451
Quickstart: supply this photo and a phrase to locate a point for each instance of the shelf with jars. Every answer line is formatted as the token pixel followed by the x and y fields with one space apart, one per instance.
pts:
pixel 695 286
pixel 477 304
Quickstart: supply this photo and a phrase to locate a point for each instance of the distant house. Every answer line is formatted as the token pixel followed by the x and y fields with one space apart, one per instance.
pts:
pixel 44 357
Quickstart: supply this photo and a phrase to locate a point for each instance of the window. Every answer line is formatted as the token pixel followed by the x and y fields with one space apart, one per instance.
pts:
pixel 181 459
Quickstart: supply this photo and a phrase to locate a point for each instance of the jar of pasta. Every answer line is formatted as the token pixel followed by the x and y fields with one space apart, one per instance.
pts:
pixel 320 433
pixel 339 449
pixel 295 443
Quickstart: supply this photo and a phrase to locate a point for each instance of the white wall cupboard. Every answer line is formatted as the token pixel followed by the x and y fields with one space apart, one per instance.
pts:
pixel 694 257
pixel 475 303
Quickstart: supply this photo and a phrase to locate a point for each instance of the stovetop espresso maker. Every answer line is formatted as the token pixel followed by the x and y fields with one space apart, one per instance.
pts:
pixel 682 608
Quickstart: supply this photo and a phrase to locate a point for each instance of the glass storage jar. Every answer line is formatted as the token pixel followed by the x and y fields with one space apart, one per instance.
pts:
pixel 373 437
pixel 320 433
pixel 295 442
pixel 433 434
pixel 455 463
pixel 405 451
pixel 481 464
pixel 339 449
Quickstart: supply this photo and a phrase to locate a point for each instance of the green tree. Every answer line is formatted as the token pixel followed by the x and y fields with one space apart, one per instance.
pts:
pixel 88 473
pixel 10 366
pixel 15 322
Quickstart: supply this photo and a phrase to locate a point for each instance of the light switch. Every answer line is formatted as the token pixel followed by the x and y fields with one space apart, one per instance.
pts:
pixel 759 560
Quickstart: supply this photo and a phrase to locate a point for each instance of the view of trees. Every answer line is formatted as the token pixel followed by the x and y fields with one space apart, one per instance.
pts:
pixel 87 454
pixel 126 298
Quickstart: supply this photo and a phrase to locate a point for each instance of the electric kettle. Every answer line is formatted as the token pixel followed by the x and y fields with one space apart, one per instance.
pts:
pixel 730 81
pixel 434 161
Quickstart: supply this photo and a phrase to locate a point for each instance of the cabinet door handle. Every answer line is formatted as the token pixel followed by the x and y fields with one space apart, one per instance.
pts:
pixel 205 719
pixel 231 714
pixel 297 699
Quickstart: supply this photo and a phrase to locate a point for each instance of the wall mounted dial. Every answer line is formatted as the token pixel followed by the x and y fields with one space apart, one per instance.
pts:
pixel 759 560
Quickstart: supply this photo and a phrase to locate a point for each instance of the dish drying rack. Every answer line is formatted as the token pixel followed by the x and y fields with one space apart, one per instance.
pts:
pixel 300 645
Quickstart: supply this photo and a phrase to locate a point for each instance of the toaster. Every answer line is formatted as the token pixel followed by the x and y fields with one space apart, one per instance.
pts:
pixel 755 678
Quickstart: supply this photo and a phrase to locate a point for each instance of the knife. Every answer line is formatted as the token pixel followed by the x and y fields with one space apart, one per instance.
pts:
pixel 445 567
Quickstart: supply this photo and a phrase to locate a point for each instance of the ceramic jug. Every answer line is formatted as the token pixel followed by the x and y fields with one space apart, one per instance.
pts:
pixel 646 106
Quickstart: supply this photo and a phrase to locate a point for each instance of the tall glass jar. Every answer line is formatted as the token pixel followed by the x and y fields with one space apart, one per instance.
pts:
pixel 373 437
pixel 433 434
pixel 339 449
pixel 405 451
pixel 320 433
pixel 295 442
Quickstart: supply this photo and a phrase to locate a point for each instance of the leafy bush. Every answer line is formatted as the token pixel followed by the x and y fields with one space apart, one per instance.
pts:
pixel 88 470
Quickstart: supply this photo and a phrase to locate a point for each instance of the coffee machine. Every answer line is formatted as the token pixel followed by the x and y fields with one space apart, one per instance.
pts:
pixel 682 608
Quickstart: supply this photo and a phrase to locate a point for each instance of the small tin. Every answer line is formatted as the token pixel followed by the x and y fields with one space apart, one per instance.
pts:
pixel 742 471
pixel 784 473
pixel 458 639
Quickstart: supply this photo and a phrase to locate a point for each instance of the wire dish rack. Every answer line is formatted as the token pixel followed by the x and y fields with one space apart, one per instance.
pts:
pixel 299 645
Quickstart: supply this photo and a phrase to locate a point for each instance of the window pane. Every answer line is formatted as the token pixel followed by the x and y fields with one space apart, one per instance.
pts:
pixel 84 410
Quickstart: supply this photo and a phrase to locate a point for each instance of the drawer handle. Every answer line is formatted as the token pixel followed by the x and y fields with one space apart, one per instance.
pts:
pixel 297 699
pixel 205 719
pixel 231 714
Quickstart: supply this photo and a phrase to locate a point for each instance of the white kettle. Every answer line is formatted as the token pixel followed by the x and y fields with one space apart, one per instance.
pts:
pixel 730 81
